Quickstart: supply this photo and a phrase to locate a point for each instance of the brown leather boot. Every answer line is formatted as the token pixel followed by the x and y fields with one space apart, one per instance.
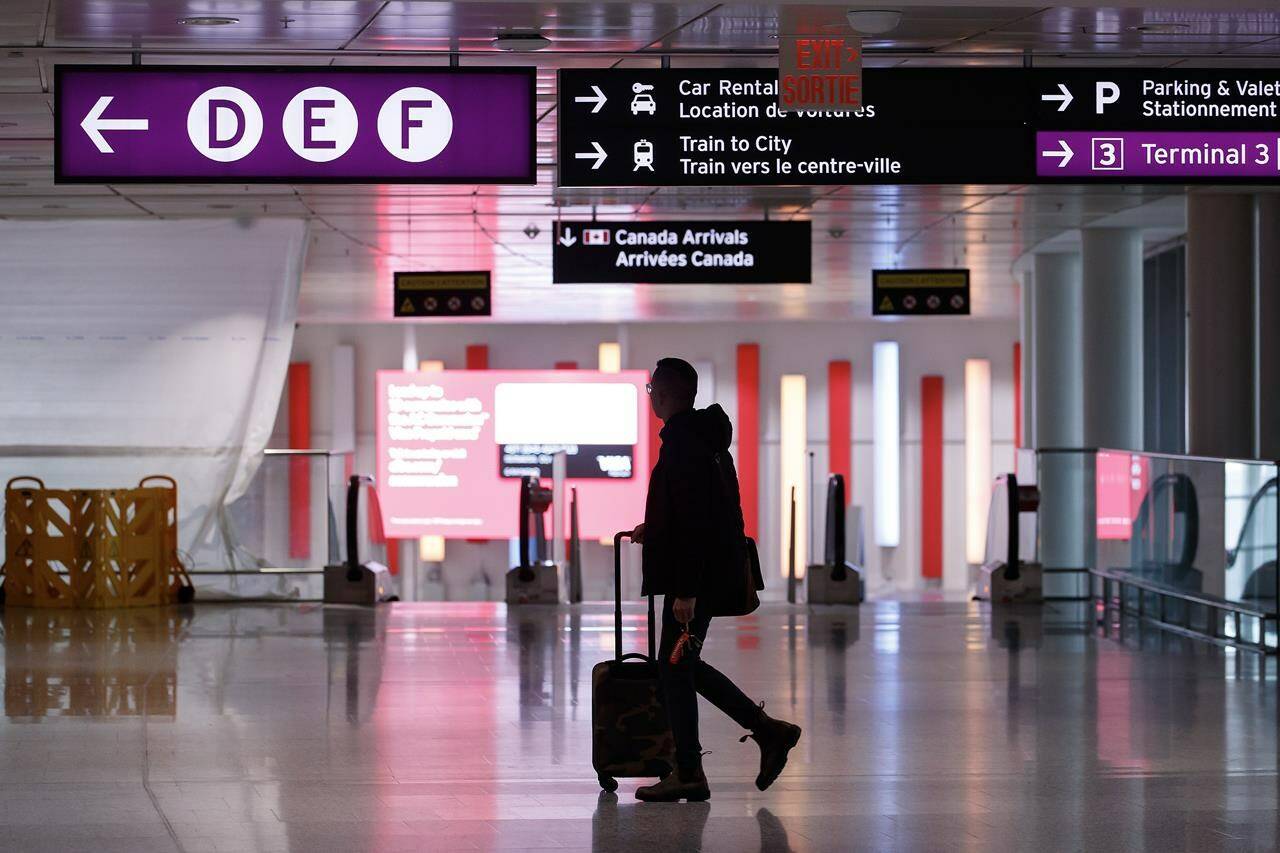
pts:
pixel 687 784
pixel 775 739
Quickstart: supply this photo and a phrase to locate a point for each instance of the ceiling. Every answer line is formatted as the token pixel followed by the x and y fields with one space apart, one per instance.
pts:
pixel 360 234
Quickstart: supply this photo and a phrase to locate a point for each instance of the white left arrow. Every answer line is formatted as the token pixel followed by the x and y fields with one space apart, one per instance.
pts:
pixel 94 124
pixel 567 238
pixel 1064 152
pixel 598 99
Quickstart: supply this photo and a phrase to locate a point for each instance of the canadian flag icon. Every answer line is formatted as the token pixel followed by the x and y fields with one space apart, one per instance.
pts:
pixel 595 236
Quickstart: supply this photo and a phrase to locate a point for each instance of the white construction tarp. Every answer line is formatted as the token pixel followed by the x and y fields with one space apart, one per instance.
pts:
pixel 138 347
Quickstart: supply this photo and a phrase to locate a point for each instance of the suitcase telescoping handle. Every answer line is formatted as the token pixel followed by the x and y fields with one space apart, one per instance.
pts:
pixel 617 602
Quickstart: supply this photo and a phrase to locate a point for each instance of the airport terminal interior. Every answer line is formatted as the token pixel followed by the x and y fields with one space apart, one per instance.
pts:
pixel 364 363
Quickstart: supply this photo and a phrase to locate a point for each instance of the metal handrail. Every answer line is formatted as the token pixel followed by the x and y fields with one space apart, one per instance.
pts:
pixel 1163 591
pixel 1153 454
pixel 285 451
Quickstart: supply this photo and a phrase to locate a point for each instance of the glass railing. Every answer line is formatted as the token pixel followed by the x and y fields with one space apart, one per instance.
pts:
pixel 278 535
pixel 1204 529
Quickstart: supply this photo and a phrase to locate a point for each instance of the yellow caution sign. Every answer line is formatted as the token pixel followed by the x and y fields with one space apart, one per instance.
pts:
pixel 406 307
pixel 886 304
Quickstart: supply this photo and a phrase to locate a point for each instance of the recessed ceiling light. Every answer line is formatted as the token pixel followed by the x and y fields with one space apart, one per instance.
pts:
pixel 208 20
pixel 1159 28
pixel 520 40
pixel 873 22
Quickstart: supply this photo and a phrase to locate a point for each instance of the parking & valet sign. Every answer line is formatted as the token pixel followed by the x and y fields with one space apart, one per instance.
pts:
pixel 294 125
pixel 750 252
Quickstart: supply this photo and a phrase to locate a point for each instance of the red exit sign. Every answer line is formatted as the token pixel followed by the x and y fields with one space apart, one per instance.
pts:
pixel 819 73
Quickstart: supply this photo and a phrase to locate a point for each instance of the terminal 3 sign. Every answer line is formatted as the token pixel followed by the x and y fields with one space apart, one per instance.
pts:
pixel 122 124
pixel 722 127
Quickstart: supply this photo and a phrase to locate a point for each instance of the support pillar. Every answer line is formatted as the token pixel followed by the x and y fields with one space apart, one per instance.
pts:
pixel 1111 337
pixel 1220 365
pixel 1057 364
pixel 1027 336
pixel 1266 330
pixel 1058 416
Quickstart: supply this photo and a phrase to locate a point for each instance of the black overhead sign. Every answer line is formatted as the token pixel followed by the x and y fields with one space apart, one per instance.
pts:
pixel 752 252
pixel 722 127
pixel 898 292
pixel 443 294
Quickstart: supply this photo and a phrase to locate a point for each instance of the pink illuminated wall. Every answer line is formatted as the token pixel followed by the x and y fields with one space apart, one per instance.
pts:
pixel 1121 483
pixel 440 434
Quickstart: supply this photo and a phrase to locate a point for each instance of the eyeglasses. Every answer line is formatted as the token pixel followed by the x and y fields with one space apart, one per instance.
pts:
pixel 648 388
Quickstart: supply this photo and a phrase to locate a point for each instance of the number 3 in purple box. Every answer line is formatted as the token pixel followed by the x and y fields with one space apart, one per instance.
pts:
pixel 1108 153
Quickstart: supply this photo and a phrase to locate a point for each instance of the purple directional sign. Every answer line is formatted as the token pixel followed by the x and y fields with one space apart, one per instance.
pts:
pixel 294 125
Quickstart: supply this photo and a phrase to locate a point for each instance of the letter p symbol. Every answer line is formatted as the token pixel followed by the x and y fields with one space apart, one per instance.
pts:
pixel 1105 93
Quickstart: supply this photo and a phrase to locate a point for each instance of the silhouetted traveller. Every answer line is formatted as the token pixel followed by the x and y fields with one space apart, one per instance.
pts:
pixel 694 551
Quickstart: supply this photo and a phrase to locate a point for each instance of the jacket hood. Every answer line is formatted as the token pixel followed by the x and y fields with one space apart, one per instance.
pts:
pixel 711 426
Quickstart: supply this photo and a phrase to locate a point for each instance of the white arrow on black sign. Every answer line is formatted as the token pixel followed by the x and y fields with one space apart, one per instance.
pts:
pixel 567 238
pixel 598 155
pixel 1064 100
pixel 598 99
pixel 94 124
pixel 1064 152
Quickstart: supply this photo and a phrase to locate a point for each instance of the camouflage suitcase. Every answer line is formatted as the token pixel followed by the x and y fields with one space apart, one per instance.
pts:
pixel 629 731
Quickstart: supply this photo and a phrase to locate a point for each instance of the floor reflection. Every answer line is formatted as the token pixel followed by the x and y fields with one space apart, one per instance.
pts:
pixel 355 642
pixel 833 630
pixel 91 663
pixel 644 827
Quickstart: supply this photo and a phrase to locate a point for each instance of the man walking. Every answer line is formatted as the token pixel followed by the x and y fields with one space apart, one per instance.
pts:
pixel 694 547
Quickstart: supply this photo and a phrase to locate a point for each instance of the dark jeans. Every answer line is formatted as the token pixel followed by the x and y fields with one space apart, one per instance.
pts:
pixel 682 683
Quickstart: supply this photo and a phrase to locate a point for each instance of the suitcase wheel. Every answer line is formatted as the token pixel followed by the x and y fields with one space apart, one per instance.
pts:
pixel 608 783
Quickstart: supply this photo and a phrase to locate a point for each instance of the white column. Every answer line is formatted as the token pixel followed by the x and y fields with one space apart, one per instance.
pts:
pixel 1057 392
pixel 1111 335
pixel 1027 334
pixel 1220 366
pixel 1059 410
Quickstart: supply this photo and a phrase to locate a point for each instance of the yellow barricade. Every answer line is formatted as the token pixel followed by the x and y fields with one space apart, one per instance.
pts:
pixel 92 548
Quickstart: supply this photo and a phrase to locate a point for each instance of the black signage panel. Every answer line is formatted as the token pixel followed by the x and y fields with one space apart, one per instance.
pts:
pixel 582 461
pixel 912 292
pixel 680 252
pixel 722 127
pixel 443 294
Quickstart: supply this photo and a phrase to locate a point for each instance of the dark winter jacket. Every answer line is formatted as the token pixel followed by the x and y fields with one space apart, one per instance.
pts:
pixel 693 532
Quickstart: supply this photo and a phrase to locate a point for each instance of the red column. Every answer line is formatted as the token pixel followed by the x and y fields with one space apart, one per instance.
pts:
pixel 1017 394
pixel 477 357
pixel 840 423
pixel 931 401
pixel 299 385
pixel 749 434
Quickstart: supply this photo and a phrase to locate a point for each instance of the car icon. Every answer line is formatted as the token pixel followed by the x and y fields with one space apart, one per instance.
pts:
pixel 642 154
pixel 643 103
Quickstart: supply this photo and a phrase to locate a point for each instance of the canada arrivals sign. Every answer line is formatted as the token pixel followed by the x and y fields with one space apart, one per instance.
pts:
pixel 681 252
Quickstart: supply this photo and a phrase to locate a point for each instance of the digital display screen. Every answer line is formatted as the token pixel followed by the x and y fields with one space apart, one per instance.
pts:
pixel 1121 484
pixel 453 446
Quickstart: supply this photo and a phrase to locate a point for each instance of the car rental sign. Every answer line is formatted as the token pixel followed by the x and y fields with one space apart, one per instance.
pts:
pixel 294 125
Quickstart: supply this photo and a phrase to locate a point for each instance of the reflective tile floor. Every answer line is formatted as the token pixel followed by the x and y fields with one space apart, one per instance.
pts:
pixel 928 726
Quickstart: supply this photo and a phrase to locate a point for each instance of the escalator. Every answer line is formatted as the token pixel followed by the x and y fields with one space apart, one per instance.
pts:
pixel 1166 534
pixel 1255 550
